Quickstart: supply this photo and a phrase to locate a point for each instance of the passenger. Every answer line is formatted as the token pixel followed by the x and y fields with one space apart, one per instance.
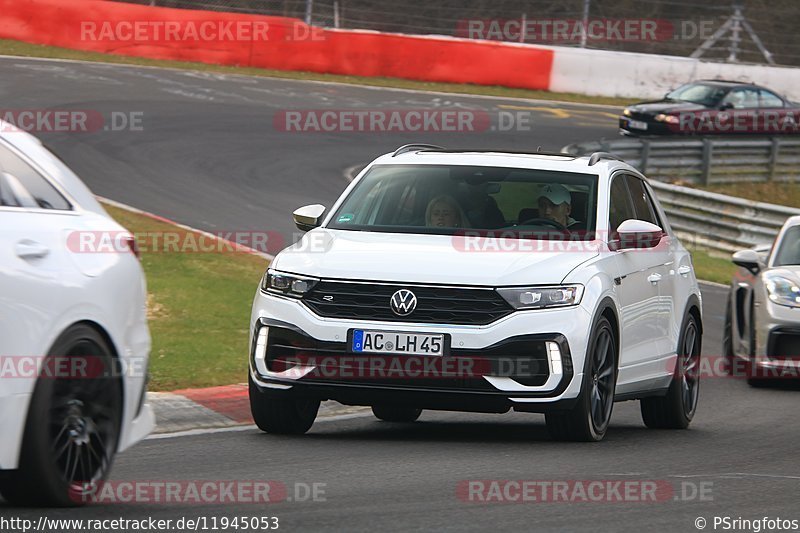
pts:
pixel 444 212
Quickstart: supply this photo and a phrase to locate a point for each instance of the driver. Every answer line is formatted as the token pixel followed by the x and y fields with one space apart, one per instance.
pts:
pixel 555 203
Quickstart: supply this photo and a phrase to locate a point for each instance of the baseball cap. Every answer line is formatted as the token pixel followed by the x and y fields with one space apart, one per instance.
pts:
pixel 556 193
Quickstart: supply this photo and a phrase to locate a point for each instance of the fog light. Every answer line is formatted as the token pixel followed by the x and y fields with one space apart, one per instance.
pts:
pixel 260 354
pixel 554 355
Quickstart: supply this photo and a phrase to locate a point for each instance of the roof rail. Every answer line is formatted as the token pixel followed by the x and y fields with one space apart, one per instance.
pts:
pixel 598 156
pixel 434 148
pixel 416 146
pixel 511 152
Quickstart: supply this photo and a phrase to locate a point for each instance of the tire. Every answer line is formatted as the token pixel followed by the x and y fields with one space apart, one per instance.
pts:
pixel 676 409
pixel 396 413
pixel 281 416
pixel 589 419
pixel 727 341
pixel 72 429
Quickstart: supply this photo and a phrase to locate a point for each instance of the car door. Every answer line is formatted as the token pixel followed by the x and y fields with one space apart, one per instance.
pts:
pixel 637 287
pixel 33 259
pixel 663 268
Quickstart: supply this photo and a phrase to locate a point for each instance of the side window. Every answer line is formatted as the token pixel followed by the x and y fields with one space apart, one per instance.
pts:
pixel 22 186
pixel 619 207
pixel 742 98
pixel 770 99
pixel 642 203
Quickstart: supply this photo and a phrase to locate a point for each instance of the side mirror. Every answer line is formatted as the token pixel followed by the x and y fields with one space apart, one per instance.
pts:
pixel 636 234
pixel 308 217
pixel 749 259
pixel 725 106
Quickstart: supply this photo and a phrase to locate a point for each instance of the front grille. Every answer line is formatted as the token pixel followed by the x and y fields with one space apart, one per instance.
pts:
pixel 435 305
pixel 523 359
pixel 784 344
pixel 644 117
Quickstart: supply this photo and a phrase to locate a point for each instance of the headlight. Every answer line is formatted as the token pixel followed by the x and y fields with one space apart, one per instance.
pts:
pixel 626 112
pixel 287 284
pixel 781 290
pixel 541 297
pixel 670 119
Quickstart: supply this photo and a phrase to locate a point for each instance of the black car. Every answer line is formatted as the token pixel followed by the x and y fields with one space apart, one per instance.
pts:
pixel 713 107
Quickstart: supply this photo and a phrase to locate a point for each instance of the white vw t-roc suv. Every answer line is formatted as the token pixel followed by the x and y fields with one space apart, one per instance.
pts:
pixel 481 281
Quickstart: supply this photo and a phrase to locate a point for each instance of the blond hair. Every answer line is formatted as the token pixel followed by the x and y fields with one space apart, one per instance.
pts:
pixel 450 202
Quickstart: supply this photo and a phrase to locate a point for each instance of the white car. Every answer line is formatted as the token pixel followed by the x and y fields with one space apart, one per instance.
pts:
pixel 74 339
pixel 481 281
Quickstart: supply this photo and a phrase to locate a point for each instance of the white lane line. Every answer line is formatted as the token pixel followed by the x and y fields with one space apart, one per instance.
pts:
pixel 195 432
pixel 736 474
pixel 554 103
pixel 234 245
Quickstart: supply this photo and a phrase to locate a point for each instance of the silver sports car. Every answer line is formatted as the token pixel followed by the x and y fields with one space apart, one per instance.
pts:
pixel 762 321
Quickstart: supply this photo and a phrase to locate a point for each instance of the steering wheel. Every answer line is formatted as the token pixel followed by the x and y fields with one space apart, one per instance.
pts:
pixel 543 222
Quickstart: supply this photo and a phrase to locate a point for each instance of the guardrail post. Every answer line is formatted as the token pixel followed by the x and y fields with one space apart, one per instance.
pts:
pixel 645 154
pixel 708 156
pixel 773 158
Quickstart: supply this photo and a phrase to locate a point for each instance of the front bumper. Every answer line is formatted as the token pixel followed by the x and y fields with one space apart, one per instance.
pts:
pixel 529 360
pixel 653 128
pixel 778 340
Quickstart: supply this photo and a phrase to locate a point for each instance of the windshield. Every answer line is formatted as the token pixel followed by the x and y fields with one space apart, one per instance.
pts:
pixel 452 199
pixel 789 250
pixel 698 93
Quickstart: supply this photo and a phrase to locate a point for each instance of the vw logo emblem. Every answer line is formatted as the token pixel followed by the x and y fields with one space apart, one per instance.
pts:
pixel 403 302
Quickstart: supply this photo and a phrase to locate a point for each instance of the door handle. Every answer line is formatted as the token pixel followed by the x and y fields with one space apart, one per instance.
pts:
pixel 28 249
pixel 684 270
pixel 654 278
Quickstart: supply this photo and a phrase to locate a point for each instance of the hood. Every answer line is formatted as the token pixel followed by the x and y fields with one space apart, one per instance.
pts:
pixel 666 106
pixel 343 254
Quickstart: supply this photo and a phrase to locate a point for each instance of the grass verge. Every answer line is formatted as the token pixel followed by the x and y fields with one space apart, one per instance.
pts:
pixel 198 310
pixel 787 194
pixel 18 48
pixel 712 268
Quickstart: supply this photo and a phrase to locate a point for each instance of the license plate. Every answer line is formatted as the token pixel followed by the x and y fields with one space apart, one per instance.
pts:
pixel 637 124
pixel 397 343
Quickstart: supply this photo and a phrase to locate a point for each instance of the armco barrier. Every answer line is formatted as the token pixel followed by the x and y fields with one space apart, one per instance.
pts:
pixel 348 52
pixel 721 223
pixel 706 160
